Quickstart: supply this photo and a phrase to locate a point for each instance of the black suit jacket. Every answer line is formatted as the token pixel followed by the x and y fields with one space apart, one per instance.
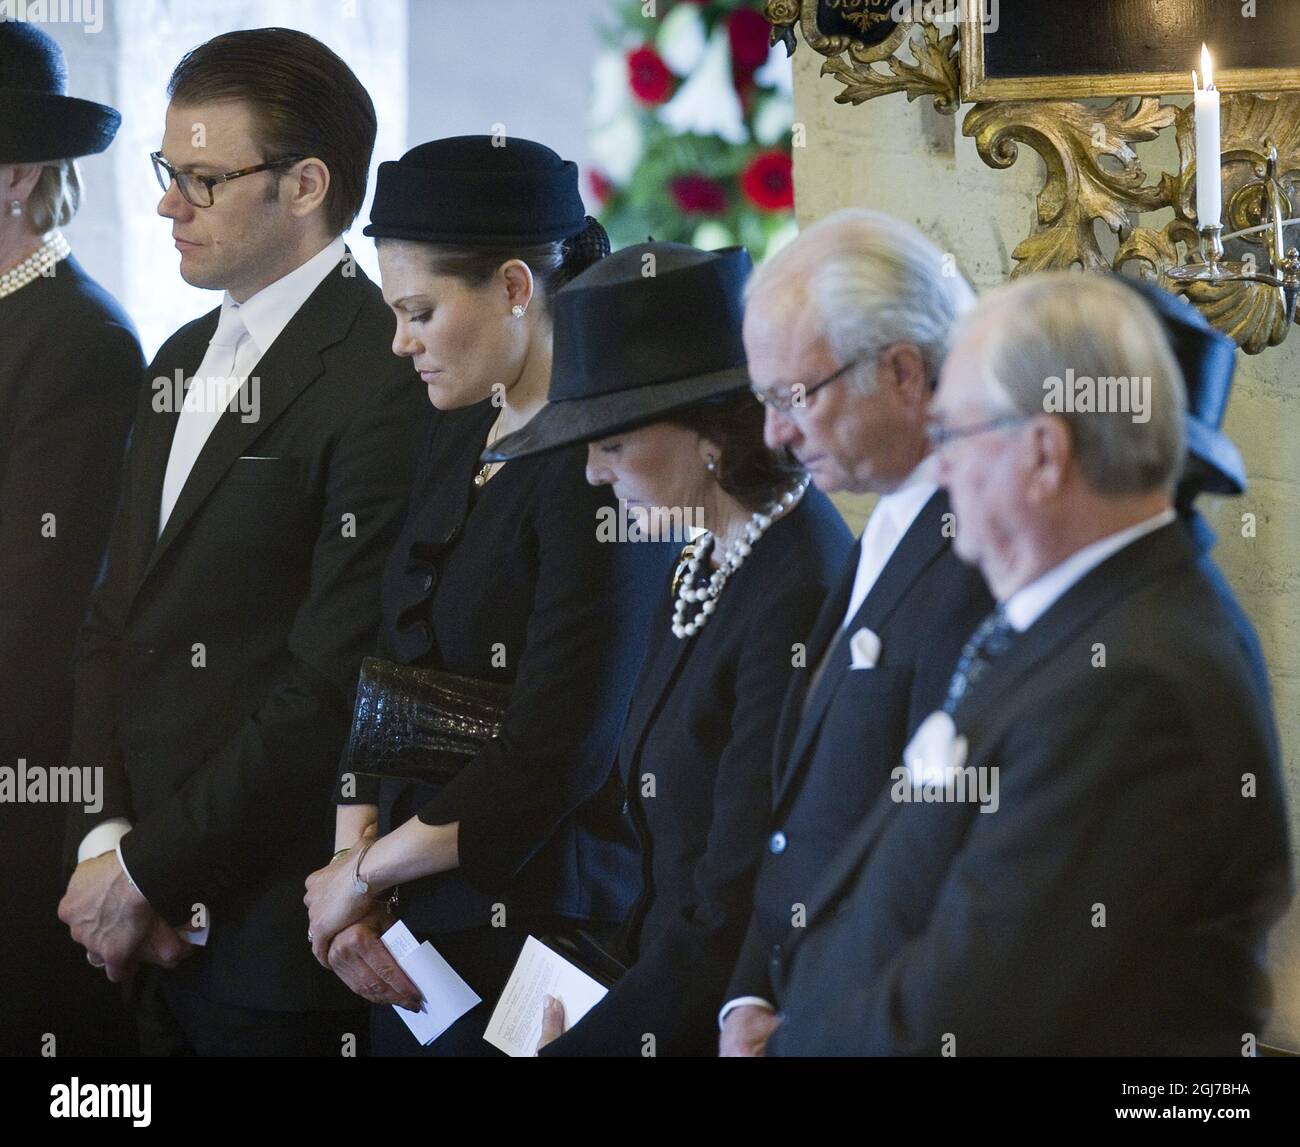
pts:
pixel 1118 900
pixel 70 371
pixel 694 759
pixel 223 756
pixel 832 757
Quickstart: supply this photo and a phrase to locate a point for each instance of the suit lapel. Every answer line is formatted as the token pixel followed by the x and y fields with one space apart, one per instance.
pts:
pixel 823 633
pixel 657 680
pixel 285 371
pixel 1100 590
pixel 916 550
pixel 156 434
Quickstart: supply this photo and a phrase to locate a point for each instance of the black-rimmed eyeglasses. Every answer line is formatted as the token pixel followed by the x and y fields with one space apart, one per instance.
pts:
pixel 799 394
pixel 197 189
pixel 939 435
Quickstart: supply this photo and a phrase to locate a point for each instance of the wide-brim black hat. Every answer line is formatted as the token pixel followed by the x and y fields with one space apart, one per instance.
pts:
pixel 1208 360
pixel 652 329
pixel 39 122
pixel 478 190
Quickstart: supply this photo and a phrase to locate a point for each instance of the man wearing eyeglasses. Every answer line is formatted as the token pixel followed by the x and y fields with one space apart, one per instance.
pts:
pixel 240 591
pixel 845 331
pixel 1116 896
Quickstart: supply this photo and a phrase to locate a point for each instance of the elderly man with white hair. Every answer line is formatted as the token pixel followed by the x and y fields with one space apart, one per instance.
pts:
pixel 1084 847
pixel 845 330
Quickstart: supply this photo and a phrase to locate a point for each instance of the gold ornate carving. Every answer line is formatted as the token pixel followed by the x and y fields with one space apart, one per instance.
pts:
pixel 1072 139
pixel 931 71
pixel 1093 171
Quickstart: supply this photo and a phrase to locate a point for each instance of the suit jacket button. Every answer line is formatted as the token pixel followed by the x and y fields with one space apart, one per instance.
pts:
pixel 776 843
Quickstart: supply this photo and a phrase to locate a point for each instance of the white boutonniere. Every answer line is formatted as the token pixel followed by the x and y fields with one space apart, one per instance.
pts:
pixel 864 649
pixel 935 752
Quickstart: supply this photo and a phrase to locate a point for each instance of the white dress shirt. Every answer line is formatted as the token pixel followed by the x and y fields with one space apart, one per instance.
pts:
pixel 256 324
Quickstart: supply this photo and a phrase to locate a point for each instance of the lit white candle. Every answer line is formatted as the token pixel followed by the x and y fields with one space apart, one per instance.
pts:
pixel 1209 186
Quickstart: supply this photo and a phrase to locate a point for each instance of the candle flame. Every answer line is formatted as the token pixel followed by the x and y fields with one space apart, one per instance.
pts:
pixel 1207 68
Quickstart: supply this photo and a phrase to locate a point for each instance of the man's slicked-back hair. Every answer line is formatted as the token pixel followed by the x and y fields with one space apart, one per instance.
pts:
pixel 304 99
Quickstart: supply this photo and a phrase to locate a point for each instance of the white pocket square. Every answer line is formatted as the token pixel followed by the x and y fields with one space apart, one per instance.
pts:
pixel 864 649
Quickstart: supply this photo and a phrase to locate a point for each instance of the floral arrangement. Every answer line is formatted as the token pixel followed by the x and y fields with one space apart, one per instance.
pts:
pixel 690 127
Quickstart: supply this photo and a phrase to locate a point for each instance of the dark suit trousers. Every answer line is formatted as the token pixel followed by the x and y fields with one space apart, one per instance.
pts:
pixel 175 1020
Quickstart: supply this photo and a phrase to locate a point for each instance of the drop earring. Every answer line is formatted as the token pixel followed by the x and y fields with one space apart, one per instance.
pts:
pixel 517 310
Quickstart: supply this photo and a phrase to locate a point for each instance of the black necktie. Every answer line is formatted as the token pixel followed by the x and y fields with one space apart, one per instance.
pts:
pixel 989 641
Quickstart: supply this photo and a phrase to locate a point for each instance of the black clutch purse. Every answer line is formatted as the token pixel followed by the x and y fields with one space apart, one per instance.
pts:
pixel 421 724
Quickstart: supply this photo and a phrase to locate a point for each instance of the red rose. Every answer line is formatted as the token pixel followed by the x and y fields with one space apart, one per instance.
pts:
pixel 648 75
pixel 698 195
pixel 768 181
pixel 749 35
pixel 601 186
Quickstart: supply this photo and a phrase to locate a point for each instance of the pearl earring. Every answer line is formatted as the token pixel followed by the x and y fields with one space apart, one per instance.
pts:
pixel 16 208
pixel 517 310
pixel 710 465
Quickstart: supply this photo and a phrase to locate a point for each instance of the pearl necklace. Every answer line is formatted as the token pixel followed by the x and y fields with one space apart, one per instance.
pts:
pixel 732 559
pixel 35 266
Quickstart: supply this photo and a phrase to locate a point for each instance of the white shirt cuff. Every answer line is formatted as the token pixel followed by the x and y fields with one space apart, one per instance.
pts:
pixel 741 1001
pixel 122 862
pixel 103 838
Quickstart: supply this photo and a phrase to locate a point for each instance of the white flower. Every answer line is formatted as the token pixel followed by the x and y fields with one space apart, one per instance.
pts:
pixel 772 120
pixel 610 91
pixel 935 751
pixel 712 235
pixel 707 103
pixel 778 72
pixel 864 649
pixel 616 148
pixel 682 39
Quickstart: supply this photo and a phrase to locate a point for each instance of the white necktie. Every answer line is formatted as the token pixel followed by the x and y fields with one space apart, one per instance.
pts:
pixel 213 386
pixel 879 540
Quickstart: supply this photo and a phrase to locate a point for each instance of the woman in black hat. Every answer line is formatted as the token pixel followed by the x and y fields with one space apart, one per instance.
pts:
pixel 650 373
pixel 499 575
pixel 70 368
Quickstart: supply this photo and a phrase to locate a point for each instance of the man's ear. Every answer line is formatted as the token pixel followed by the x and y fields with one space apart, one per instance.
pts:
pixel 1051 453
pixel 903 367
pixel 311 183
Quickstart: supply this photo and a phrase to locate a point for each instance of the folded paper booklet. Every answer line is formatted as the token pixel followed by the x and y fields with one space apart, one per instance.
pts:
pixel 446 996
pixel 516 1023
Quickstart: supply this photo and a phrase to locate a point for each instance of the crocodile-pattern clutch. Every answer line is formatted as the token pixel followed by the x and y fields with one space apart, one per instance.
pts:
pixel 421 724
